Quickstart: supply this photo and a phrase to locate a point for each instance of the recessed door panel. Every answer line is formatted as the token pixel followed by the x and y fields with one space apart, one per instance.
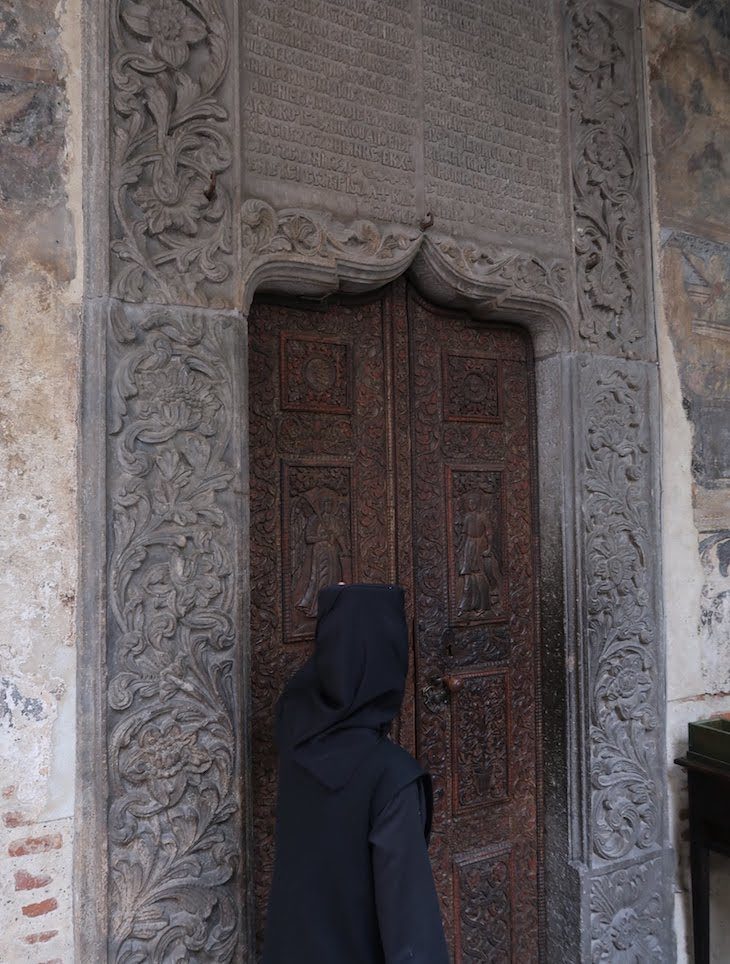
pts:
pixel 391 441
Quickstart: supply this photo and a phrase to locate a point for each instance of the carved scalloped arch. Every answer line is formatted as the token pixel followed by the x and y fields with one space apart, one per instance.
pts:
pixel 311 254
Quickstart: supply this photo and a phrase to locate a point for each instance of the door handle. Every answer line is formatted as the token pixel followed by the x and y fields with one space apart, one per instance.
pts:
pixel 437 693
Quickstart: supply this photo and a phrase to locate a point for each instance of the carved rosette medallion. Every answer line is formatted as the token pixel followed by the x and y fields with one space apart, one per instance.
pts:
pixel 171 151
pixel 620 611
pixel 607 175
pixel 174 814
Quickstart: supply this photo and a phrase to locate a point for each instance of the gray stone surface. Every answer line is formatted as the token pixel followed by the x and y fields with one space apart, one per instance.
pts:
pixel 331 114
pixel 492 119
pixel 176 385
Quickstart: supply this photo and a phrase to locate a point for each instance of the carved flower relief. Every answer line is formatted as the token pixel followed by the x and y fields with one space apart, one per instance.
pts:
pixel 165 758
pixel 608 162
pixel 628 688
pixel 173 201
pixel 530 274
pixel 177 495
pixel 616 564
pixel 606 283
pixel 591 39
pixel 626 915
pixel 177 399
pixel 170 26
pixel 610 434
pixel 189 580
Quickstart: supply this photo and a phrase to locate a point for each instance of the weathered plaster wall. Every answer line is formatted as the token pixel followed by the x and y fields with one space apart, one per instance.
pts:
pixel 39 325
pixel 689 62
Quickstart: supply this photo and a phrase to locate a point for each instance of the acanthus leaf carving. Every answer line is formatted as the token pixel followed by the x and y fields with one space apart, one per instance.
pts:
pixel 606 169
pixel 172 225
pixel 514 272
pixel 625 737
pixel 174 813
pixel 317 235
pixel 627 911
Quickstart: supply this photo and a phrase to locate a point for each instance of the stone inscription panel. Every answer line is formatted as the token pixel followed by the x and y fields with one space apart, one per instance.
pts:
pixel 492 117
pixel 331 112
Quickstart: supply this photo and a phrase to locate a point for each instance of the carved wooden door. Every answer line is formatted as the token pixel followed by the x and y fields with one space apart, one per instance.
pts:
pixel 391 442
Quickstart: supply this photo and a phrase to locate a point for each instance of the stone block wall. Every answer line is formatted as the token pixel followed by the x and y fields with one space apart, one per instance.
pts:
pixel 689 64
pixel 40 288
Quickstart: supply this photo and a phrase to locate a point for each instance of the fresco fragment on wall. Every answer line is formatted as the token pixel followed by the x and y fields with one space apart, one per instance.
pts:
pixel 690 89
pixel 715 611
pixel 691 117
pixel 706 278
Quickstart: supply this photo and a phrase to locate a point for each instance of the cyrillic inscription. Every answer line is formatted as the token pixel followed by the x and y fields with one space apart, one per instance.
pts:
pixel 331 105
pixel 492 116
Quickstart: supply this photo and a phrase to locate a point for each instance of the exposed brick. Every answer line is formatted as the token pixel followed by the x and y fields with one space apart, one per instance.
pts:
pixel 14 818
pixel 26 881
pixel 56 960
pixel 35 845
pixel 40 938
pixel 42 907
pixel 8 791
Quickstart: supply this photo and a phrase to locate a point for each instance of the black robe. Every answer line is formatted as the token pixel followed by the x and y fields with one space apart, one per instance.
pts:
pixel 352 880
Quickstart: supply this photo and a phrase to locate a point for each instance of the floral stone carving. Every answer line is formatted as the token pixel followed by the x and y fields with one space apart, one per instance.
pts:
pixel 607 175
pixel 317 235
pixel 171 147
pixel 626 738
pixel 174 827
pixel 517 273
pixel 627 914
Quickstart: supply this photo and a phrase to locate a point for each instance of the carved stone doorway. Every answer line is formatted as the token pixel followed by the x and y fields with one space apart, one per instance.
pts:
pixel 392 441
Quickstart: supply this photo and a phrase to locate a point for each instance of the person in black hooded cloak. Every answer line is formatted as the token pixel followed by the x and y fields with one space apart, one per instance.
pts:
pixel 352 880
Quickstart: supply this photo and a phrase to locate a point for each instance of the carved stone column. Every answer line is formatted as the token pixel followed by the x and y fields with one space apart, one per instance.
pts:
pixel 162 733
pixel 617 430
pixel 175 734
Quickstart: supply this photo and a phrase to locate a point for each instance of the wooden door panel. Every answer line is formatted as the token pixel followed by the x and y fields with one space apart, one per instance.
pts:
pixel 479 742
pixel 475 626
pixel 391 442
pixel 321 476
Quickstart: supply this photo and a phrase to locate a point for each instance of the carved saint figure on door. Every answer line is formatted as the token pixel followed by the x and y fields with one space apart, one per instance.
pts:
pixel 478 562
pixel 320 545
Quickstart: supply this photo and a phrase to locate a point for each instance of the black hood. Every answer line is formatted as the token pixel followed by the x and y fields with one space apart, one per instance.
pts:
pixel 344 698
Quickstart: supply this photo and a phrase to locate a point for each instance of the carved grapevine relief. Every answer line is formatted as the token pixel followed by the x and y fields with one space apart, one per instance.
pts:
pixel 606 174
pixel 620 619
pixel 174 833
pixel 171 147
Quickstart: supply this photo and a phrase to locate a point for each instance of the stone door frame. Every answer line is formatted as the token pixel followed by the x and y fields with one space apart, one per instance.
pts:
pixel 163 490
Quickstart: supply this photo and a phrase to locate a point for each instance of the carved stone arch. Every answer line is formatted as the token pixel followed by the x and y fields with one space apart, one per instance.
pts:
pixel 310 254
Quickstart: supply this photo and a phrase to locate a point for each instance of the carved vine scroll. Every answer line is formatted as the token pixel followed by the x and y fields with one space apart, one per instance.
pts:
pixel 516 273
pixel 621 612
pixel 607 175
pixel 171 151
pixel 174 812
